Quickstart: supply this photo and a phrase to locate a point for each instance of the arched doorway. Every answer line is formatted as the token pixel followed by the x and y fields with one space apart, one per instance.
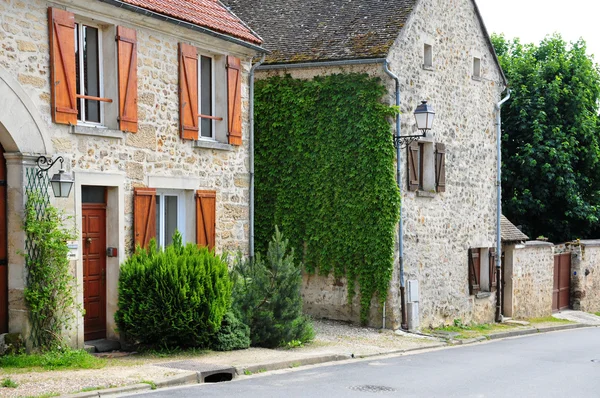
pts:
pixel 3 247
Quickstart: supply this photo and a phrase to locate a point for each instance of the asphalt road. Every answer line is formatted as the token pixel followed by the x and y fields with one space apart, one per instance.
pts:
pixel 557 364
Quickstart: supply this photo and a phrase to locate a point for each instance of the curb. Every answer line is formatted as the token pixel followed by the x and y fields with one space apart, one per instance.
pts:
pixel 525 332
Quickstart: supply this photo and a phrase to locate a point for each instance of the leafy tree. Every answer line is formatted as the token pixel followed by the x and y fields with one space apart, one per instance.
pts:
pixel 550 142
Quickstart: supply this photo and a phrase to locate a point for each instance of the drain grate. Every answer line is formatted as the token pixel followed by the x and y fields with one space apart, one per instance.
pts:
pixel 207 373
pixel 371 388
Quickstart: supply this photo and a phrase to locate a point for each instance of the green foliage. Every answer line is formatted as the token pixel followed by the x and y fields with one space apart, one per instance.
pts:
pixel 50 290
pixel 233 335
pixel 9 383
pixel 174 297
pixel 266 294
pixel 52 360
pixel 550 140
pixel 325 175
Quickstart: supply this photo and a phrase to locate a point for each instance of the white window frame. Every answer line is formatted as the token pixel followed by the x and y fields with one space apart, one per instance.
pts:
pixel 82 121
pixel 160 208
pixel 213 136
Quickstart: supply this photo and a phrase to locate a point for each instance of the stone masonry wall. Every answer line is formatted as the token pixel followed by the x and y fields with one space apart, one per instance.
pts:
pixel 439 228
pixel 532 280
pixel 585 275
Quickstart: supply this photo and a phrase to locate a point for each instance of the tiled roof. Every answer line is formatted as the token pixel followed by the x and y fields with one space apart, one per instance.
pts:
pixel 324 30
pixel 210 14
pixel 509 232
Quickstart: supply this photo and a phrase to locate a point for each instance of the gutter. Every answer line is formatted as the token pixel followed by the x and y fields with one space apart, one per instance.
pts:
pixel 188 25
pixel 343 62
pixel 399 182
pixel 499 204
pixel 251 150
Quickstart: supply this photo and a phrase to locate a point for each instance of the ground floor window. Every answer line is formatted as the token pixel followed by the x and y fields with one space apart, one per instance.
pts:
pixel 170 216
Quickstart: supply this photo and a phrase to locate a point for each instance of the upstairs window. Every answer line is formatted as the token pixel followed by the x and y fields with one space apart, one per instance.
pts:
pixel 476 68
pixel 207 97
pixel 428 56
pixel 88 73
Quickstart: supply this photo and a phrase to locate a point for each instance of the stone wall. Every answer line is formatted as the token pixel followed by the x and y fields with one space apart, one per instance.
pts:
pixel 439 228
pixel 155 153
pixel 585 275
pixel 529 273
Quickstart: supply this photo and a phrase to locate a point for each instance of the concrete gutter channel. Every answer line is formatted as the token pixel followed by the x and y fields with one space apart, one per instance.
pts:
pixel 199 376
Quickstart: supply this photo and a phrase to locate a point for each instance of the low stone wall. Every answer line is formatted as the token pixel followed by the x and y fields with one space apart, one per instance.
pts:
pixel 585 275
pixel 529 280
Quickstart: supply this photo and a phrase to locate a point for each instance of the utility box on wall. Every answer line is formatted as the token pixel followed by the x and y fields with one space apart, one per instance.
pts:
pixel 412 306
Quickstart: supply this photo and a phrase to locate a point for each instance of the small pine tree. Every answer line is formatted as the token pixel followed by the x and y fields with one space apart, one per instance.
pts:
pixel 266 295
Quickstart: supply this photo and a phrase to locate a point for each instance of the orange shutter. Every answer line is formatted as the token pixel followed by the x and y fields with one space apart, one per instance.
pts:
pixel 234 100
pixel 188 91
pixel 205 218
pixel 144 215
pixel 127 53
pixel 61 27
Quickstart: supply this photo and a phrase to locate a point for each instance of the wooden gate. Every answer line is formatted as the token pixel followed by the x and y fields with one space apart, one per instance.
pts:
pixel 562 282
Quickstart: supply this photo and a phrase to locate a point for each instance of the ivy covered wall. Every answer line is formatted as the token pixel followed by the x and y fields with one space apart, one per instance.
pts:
pixel 325 175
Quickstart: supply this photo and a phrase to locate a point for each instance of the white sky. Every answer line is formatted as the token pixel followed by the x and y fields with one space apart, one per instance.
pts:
pixel 532 20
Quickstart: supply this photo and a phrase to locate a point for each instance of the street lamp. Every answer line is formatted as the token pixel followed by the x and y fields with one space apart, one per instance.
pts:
pixel 61 182
pixel 424 116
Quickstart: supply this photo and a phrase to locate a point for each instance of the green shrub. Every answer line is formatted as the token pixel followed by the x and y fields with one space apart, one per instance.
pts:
pixel 52 360
pixel 174 297
pixel 266 294
pixel 233 335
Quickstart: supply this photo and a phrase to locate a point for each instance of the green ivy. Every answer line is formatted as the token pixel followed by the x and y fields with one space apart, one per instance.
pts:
pixel 325 175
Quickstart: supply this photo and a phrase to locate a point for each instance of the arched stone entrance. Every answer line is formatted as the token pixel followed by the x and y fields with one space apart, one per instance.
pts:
pixel 23 138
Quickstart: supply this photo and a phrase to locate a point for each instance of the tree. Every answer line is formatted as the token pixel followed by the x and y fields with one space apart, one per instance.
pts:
pixel 550 142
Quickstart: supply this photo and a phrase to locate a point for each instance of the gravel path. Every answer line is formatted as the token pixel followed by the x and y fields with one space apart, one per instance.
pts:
pixel 331 338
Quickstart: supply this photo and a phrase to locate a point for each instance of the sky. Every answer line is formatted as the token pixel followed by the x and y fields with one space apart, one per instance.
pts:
pixel 532 20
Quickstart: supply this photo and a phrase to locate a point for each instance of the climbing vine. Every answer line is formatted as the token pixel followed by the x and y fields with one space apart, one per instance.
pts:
pixel 325 176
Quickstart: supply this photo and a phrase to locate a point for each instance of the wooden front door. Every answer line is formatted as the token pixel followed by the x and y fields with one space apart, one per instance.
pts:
pixel 3 248
pixel 561 292
pixel 93 228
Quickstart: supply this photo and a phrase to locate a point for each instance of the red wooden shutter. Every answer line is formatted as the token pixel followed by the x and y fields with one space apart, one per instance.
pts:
pixel 144 215
pixel 492 262
pixel 440 167
pixel 234 100
pixel 128 95
pixel 413 166
pixel 61 26
pixel 474 271
pixel 188 91
pixel 205 218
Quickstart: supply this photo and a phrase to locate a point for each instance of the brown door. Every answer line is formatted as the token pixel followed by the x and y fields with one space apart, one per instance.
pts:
pixel 3 248
pixel 562 281
pixel 93 228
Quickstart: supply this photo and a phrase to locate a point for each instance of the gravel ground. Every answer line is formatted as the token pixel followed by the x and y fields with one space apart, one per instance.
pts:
pixel 331 338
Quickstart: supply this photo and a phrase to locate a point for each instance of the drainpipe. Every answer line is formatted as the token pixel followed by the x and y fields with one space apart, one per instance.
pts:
pixel 499 204
pixel 399 182
pixel 251 149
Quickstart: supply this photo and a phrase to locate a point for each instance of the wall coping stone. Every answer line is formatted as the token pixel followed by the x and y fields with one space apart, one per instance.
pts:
pixel 532 243
pixel 590 242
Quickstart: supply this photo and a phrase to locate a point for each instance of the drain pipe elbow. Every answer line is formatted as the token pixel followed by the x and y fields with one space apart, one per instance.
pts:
pixel 499 204
pixel 251 156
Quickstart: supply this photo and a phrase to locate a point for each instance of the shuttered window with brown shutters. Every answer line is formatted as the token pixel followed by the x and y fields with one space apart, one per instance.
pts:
pixel 62 66
pixel 474 271
pixel 413 166
pixel 144 215
pixel 128 88
pixel 205 218
pixel 234 100
pixel 440 167
pixel 188 92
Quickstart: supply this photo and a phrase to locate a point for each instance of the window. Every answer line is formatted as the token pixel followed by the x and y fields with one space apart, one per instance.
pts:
pixel 169 216
pixel 88 73
pixel 426 167
pixel 206 99
pixel 476 68
pixel 482 270
pixel 428 56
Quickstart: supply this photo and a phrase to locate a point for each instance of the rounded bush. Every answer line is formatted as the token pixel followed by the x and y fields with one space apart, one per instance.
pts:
pixel 233 335
pixel 174 297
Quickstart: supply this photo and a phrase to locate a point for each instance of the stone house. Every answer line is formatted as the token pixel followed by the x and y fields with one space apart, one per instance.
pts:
pixel 440 51
pixel 147 103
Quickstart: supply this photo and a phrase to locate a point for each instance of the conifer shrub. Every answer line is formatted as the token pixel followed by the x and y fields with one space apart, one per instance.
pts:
pixel 175 297
pixel 233 335
pixel 266 295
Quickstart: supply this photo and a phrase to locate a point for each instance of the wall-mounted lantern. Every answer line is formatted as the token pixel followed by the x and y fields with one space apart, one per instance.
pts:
pixel 61 182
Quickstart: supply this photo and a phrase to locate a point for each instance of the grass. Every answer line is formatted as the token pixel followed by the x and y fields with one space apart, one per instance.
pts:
pixel 150 383
pixel 548 319
pixel 53 360
pixel 597 313
pixel 8 383
pixel 46 395
pixel 468 331
pixel 87 389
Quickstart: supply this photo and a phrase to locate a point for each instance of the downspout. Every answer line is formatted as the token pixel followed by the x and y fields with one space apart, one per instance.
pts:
pixel 399 182
pixel 499 205
pixel 251 157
